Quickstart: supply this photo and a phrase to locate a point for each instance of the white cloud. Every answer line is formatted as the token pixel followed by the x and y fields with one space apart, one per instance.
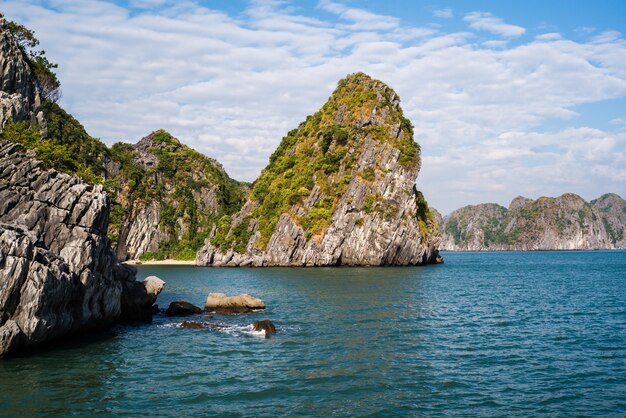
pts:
pixel 490 23
pixel 587 161
pixel 443 13
pixel 232 85
pixel 552 36
pixel 361 19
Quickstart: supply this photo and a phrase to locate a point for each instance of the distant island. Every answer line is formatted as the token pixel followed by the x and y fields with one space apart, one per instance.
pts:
pixel 566 222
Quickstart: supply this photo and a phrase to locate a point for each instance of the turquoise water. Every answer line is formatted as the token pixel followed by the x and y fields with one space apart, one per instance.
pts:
pixel 497 334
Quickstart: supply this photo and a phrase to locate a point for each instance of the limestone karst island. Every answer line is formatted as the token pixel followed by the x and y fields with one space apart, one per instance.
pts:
pixel 149 273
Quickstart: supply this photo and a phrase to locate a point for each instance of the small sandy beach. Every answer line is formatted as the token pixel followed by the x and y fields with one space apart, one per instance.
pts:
pixel 162 262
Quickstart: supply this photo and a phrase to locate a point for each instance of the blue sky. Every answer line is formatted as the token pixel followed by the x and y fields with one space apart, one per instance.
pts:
pixel 507 97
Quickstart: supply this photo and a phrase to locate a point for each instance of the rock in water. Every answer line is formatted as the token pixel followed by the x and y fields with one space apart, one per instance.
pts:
pixel 264 325
pixel 339 190
pixel 199 325
pixel 153 286
pixel 138 299
pixel 182 308
pixel 58 273
pixel 219 302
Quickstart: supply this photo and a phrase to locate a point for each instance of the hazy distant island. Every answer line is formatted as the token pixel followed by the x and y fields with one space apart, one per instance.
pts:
pixel 566 222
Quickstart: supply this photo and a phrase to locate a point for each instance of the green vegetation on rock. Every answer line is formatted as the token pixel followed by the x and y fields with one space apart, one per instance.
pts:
pixel 66 146
pixel 180 182
pixel 180 171
pixel 47 82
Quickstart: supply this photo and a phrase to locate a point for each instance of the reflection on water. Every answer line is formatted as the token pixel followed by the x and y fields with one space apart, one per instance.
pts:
pixel 493 334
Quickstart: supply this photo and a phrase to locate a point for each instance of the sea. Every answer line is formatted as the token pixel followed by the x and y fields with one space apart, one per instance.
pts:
pixel 485 334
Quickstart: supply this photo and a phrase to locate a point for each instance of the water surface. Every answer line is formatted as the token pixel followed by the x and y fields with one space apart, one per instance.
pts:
pixel 499 334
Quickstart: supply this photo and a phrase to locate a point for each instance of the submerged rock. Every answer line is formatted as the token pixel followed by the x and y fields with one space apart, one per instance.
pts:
pixel 264 325
pixel 220 303
pixel 182 308
pixel 199 325
pixel 58 273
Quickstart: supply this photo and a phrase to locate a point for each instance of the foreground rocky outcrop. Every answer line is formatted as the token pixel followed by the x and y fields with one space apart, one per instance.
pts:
pixel 339 190
pixel 19 98
pixel 58 273
pixel 566 222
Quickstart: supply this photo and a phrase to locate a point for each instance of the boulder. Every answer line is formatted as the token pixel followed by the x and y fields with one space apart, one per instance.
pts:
pixel 220 303
pixel 264 325
pixel 182 308
pixel 153 286
pixel 138 300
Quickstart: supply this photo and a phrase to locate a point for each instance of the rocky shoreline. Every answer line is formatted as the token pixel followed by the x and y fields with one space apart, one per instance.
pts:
pixel 60 276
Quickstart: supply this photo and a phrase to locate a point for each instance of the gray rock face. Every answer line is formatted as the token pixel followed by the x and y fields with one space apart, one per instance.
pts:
pixel 471 226
pixel 19 98
pixel 58 274
pixel 563 223
pixel 612 210
pixel 141 231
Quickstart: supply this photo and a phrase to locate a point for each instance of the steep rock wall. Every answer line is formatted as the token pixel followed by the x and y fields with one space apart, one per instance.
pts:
pixel 178 196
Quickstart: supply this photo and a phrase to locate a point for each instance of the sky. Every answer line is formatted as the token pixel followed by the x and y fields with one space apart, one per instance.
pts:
pixel 507 98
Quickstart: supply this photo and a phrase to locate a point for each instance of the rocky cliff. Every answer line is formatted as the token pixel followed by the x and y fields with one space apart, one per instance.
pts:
pixel 567 222
pixel 339 190
pixel 612 212
pixel 19 98
pixel 168 196
pixel 58 274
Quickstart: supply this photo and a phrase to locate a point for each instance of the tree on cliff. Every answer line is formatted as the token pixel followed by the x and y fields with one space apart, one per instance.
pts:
pixel 47 81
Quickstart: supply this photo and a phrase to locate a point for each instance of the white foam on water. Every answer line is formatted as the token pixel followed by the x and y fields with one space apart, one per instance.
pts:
pixel 169 325
pixel 234 330
pixel 239 330
pixel 249 330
